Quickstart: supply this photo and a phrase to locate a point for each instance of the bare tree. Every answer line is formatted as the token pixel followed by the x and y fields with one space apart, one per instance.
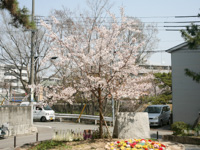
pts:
pixel 15 45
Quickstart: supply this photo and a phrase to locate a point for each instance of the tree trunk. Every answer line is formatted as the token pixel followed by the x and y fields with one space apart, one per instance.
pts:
pixel 92 102
pixel 93 107
pixel 117 106
pixel 100 114
pixel 104 106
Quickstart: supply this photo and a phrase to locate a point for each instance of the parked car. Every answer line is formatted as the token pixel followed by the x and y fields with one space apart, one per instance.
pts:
pixel 158 114
pixel 41 112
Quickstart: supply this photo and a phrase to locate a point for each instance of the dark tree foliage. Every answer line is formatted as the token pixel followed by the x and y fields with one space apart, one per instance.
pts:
pixel 195 76
pixel 164 82
pixel 192 36
pixel 19 16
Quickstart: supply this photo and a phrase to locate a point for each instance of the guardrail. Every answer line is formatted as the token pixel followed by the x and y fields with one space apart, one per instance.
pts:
pixel 76 116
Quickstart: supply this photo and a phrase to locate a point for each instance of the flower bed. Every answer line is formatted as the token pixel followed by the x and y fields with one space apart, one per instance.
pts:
pixel 136 144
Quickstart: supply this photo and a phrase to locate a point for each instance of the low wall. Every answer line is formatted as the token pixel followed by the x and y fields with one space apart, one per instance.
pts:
pixel 182 139
pixel 18 119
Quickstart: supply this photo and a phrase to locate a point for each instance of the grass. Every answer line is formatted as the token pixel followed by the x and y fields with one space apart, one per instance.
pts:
pixel 51 144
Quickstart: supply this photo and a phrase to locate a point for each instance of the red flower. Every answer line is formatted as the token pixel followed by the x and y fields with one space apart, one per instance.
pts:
pixel 149 140
pixel 163 145
pixel 119 145
pixel 133 145
pixel 118 142
pixel 160 148
pixel 126 141
pixel 146 148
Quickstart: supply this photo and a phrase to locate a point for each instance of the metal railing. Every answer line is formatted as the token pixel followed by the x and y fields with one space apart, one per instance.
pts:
pixel 87 117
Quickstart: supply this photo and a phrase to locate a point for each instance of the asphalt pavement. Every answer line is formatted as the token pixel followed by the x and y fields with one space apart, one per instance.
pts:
pixel 46 131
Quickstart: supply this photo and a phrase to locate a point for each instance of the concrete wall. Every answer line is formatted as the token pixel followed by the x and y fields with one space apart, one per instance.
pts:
pixel 18 118
pixel 185 91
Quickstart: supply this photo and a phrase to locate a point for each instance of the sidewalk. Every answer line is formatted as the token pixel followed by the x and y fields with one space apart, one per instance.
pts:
pixel 8 144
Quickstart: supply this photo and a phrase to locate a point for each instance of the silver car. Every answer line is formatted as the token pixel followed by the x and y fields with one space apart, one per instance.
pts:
pixel 158 114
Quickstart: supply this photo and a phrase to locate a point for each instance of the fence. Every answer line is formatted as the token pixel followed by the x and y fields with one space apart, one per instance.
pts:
pixel 93 109
pixel 87 117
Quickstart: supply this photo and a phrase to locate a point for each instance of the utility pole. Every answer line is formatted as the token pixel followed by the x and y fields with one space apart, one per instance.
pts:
pixel 32 61
pixel 32 52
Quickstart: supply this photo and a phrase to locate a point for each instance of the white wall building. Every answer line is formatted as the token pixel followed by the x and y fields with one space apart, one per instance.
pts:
pixel 154 69
pixel 9 83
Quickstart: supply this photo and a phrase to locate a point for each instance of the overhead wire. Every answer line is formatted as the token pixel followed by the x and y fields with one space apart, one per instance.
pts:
pixel 159 27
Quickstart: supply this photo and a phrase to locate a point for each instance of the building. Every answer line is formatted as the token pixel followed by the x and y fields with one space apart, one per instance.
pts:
pixel 154 69
pixel 185 91
pixel 10 86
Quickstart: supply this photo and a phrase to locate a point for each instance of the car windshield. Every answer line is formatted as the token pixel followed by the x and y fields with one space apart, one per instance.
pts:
pixel 153 109
pixel 47 107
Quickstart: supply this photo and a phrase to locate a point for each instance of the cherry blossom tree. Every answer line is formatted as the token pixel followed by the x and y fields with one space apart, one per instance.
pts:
pixel 103 61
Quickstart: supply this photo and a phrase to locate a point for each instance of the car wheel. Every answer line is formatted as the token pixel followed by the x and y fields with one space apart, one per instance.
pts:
pixel 161 123
pixel 6 134
pixel 169 121
pixel 43 119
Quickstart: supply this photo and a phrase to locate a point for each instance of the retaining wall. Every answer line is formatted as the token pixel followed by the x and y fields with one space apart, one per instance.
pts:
pixel 18 119
pixel 182 139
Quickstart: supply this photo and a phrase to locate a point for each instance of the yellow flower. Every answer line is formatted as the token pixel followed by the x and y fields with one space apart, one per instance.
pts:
pixel 124 144
pixel 112 148
pixel 130 141
pixel 138 146
pixel 150 146
pixel 128 148
pixel 122 148
pixel 145 146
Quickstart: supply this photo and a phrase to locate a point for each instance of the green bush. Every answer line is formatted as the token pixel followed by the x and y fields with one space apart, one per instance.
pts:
pixel 49 145
pixel 179 127
pixel 197 129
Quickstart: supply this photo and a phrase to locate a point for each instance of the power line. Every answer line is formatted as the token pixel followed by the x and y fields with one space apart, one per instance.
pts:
pixel 186 16
pixel 156 51
pixel 177 26
pixel 184 22
pixel 133 17
pixel 175 29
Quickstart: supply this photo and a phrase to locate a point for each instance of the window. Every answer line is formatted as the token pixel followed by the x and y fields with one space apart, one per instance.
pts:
pixel 168 109
pixel 153 109
pixel 38 108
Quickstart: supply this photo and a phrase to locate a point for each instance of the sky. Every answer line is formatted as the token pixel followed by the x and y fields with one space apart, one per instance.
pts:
pixel 160 12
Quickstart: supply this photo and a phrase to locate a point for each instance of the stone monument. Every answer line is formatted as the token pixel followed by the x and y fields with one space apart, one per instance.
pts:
pixel 132 125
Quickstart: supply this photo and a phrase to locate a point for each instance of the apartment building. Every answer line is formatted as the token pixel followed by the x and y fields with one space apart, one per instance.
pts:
pixel 9 84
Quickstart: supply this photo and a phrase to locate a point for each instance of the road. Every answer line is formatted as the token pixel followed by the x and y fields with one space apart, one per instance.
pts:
pixel 46 131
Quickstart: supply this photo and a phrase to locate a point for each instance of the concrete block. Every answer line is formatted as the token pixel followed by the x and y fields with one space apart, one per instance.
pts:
pixel 132 125
pixel 18 119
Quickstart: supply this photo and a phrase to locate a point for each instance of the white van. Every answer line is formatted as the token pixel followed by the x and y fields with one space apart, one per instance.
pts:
pixel 41 112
